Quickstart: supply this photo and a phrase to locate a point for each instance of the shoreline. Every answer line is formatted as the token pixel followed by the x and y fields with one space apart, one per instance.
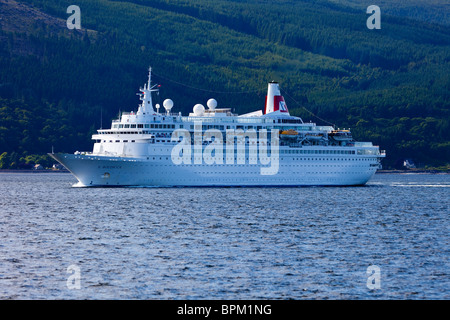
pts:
pixel 415 171
pixel 393 171
pixel 32 171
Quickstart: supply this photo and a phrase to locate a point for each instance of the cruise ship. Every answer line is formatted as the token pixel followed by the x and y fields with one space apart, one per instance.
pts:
pixel 213 146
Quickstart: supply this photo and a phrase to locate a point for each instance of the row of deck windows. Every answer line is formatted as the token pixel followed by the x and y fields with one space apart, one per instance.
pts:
pixel 292 151
pixel 204 126
pixel 140 126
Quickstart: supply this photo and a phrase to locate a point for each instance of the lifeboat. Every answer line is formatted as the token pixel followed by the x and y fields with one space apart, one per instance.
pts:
pixel 288 134
pixel 314 137
pixel 341 135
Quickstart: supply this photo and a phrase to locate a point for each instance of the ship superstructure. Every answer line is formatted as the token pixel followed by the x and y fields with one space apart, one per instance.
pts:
pixel 215 147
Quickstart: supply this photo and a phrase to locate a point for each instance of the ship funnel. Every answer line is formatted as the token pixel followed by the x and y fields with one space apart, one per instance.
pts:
pixel 274 100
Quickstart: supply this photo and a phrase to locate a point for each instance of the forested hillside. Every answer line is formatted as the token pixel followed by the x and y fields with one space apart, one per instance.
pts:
pixel 57 86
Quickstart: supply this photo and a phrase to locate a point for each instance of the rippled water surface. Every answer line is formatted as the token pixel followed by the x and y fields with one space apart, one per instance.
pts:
pixel 224 243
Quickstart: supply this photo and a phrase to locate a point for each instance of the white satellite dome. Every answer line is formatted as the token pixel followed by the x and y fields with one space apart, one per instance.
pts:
pixel 199 109
pixel 212 104
pixel 168 104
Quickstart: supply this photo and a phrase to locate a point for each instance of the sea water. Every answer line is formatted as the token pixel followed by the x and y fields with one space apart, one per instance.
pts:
pixel 386 240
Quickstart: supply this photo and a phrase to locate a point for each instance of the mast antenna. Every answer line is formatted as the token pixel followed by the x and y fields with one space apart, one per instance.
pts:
pixel 149 77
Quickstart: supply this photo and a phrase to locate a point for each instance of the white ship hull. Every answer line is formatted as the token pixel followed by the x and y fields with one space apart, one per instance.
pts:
pixel 103 171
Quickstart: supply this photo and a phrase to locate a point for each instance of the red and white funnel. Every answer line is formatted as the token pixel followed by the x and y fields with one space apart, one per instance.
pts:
pixel 274 100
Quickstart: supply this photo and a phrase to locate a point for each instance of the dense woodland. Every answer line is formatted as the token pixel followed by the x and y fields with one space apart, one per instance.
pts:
pixel 390 86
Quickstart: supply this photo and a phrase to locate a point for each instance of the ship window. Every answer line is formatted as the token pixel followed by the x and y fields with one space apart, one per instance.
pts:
pixel 120 126
pixel 127 126
pixel 133 126
pixel 117 140
pixel 133 140
pixel 140 125
pixel 125 140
